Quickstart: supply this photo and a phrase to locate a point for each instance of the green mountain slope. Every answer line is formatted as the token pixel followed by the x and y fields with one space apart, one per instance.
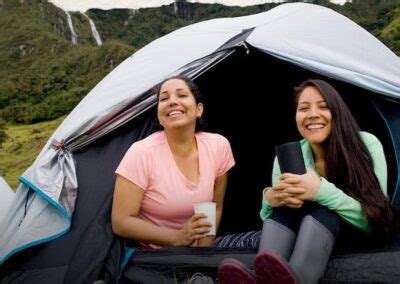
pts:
pixel 379 17
pixel 22 146
pixel 42 74
pixel 391 32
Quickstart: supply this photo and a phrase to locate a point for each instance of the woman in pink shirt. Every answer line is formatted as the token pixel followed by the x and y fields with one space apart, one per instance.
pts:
pixel 162 176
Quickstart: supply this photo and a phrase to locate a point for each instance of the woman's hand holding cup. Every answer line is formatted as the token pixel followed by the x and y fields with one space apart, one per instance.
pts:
pixel 195 229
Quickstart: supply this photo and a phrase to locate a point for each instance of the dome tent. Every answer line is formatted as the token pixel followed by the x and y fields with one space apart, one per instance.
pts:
pixel 59 224
pixel 6 195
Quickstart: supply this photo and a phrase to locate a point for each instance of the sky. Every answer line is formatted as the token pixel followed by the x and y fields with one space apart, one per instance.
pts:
pixel 83 5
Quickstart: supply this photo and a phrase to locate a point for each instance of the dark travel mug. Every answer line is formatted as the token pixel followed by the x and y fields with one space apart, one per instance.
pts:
pixel 290 158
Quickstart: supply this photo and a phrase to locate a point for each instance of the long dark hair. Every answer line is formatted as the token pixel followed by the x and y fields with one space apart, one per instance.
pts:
pixel 348 163
pixel 201 125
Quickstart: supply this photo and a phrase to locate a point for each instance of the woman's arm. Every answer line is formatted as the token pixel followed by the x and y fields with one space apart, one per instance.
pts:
pixel 347 207
pixel 327 194
pixel 125 209
pixel 219 194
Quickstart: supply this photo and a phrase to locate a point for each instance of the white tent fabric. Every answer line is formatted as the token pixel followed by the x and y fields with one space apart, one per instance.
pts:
pixel 311 36
pixel 332 45
pixel 6 196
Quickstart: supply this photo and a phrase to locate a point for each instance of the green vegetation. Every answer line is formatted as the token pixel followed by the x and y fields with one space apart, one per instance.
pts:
pixel 42 74
pixel 391 33
pixel 3 134
pixel 375 16
pixel 22 146
pixel 46 90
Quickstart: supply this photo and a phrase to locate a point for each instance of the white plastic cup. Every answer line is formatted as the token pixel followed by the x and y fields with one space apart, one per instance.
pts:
pixel 209 209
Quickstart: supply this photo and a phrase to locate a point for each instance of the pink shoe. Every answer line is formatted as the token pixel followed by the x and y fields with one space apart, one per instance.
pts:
pixel 232 271
pixel 272 269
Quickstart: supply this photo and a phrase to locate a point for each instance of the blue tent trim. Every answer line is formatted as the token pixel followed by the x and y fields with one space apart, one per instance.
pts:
pixel 395 150
pixel 46 197
pixel 35 243
pixel 127 257
pixel 48 239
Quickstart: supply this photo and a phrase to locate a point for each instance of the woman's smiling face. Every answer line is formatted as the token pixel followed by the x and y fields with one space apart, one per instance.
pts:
pixel 313 116
pixel 177 106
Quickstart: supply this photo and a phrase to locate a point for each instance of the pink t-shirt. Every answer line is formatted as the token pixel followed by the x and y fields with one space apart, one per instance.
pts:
pixel 168 195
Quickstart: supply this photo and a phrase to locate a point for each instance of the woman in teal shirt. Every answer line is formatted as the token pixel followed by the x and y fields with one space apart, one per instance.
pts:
pixel 343 192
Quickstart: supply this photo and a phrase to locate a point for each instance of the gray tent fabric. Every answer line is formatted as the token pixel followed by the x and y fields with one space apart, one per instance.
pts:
pixel 310 36
pixel 25 227
pixel 6 196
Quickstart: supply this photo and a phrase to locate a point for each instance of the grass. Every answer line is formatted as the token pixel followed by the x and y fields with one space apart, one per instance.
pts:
pixel 392 31
pixel 23 144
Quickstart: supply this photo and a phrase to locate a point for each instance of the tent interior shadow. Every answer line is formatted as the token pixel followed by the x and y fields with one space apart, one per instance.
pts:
pixel 249 100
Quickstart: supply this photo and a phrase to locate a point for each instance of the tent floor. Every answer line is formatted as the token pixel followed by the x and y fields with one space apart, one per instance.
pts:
pixel 177 265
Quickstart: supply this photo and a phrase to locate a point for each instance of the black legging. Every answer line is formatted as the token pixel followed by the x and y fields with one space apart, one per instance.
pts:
pixel 348 239
pixel 288 217
pixel 292 218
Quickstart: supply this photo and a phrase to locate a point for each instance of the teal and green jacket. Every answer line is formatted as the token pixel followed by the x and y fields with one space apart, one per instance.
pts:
pixel 332 197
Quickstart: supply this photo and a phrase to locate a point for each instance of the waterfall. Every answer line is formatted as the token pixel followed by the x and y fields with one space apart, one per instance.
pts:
pixel 95 33
pixel 179 8
pixel 74 37
pixel 132 12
